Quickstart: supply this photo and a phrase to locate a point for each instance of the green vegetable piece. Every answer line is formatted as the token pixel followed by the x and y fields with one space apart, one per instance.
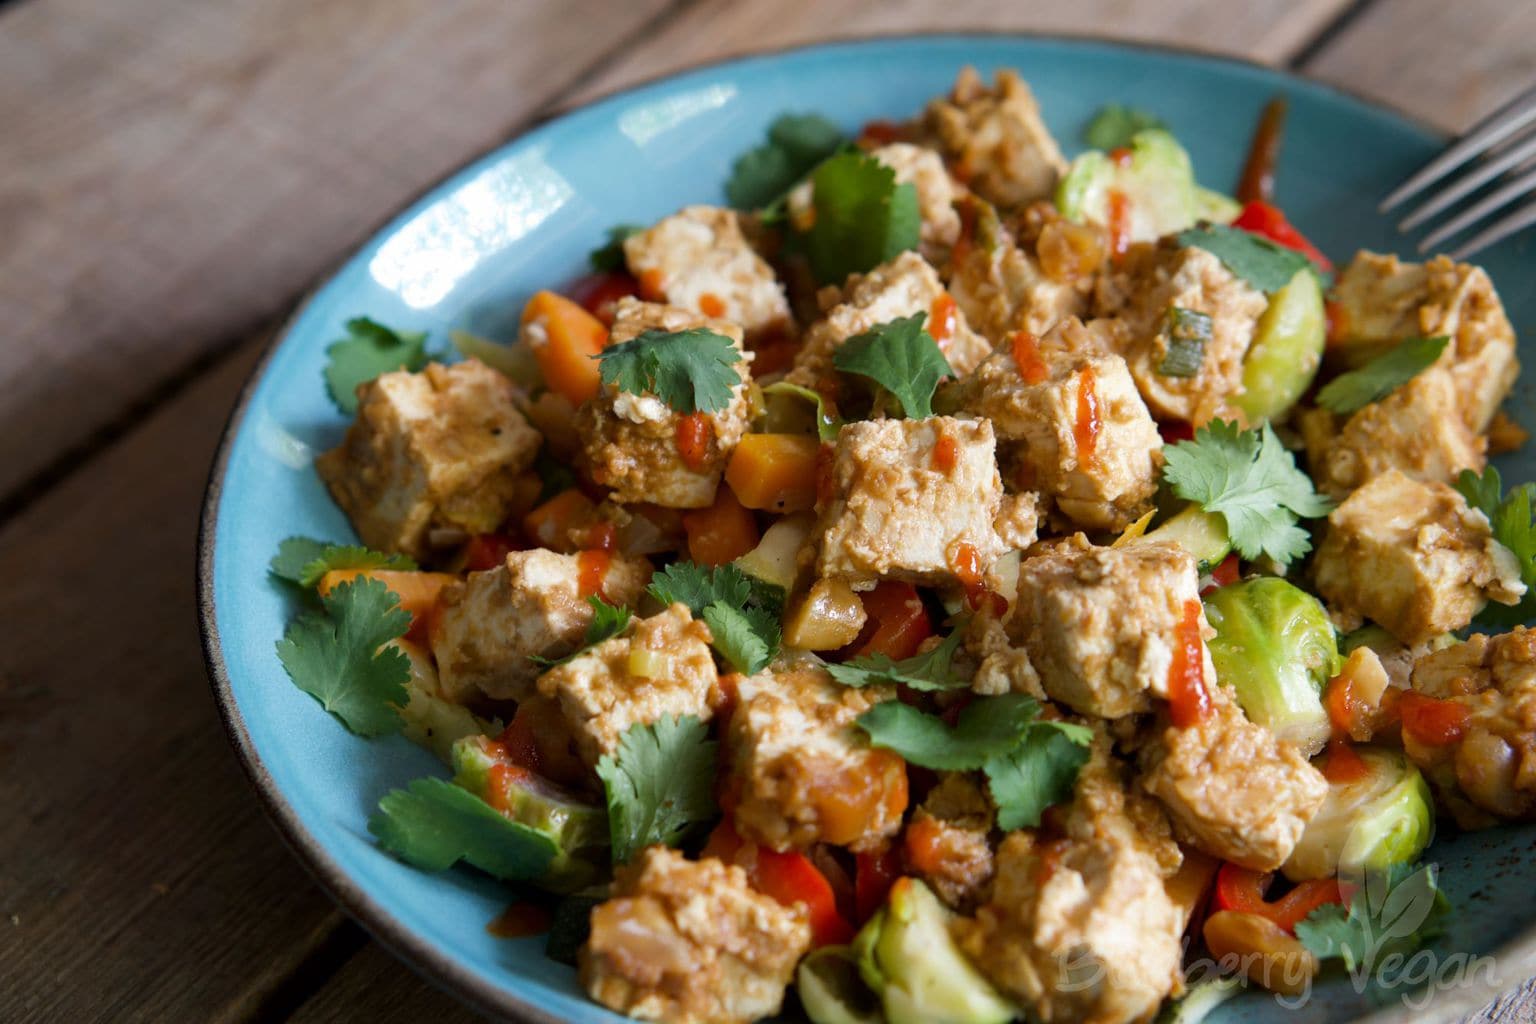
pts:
pixel 303 560
pixel 1275 646
pixel 660 784
pixel 775 562
pixel 1251 481
pixel 906 956
pixel 1215 207
pixel 1286 351
pixel 1384 819
pixel 428 720
pixel 1200 1001
pixel 1156 182
pixel 1201 533
pixel 931 670
pixel 513 360
pixel 901 357
pixel 862 217
pixel 1255 259
pixel 1189 331
pixel 796 144
pixel 691 371
pixel 831 990
pixel 1395 911
pixel 338 656
pixel 434 824
pixel 1514 527
pixel 370 349
pixel 1115 126
pixel 793 409
pixel 609 256
pixel 1381 376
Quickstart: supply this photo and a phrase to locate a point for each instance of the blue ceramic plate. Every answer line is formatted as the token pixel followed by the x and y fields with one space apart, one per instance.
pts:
pixel 469 253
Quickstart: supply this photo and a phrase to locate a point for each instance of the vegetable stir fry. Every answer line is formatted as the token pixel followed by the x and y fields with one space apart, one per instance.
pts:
pixel 943 582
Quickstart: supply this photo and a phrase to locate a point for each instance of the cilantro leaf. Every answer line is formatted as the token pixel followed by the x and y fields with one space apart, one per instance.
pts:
pixel 304 561
pixel 1513 527
pixel 1392 912
pixel 699 586
pixel 369 350
pixel 335 656
pixel 862 217
pixel 660 784
pixel 1249 478
pixel 610 255
pixel 796 143
pixel 1029 764
pixel 988 727
pixel 932 670
pixel 691 371
pixel 747 638
pixel 1039 774
pixel 1115 125
pixel 901 357
pixel 1381 376
pixel 1257 260
pixel 608 621
pixel 433 824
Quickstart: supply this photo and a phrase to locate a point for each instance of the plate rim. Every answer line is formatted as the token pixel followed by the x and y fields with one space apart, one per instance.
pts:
pixel 420 954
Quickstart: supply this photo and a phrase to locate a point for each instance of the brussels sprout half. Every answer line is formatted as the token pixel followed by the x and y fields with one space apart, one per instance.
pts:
pixel 1276 648
pixel 1287 349
pixel 906 956
pixel 1157 181
pixel 1384 818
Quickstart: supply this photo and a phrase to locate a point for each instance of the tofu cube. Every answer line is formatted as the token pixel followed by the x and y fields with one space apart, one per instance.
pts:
pixel 1002 289
pixel 1147 289
pixel 924 170
pixel 1232 789
pixel 699 260
pixel 903 287
pixel 661 667
pixel 691 942
pixel 490 625
pixel 1077 430
pixel 439 448
pixel 1416 430
pixel 1414 558
pixel 630 442
pixel 1101 624
pixel 995 139
pixel 914 500
pixel 801 772
pixel 1379 300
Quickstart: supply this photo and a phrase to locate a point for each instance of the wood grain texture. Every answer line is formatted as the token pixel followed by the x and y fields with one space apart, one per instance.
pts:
pixel 1447 63
pixel 375 987
pixel 138 877
pixel 173 172
pixel 1266 30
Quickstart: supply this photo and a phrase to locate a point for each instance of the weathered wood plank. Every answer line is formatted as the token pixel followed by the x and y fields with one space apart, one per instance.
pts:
pixel 1448 63
pixel 376 987
pixel 173 173
pixel 138 878
pixel 1268 30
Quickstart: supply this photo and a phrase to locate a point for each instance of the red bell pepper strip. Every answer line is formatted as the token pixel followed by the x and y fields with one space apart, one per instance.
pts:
pixel 898 622
pixel 788 877
pixel 1261 218
pixel 874 875
pixel 1240 889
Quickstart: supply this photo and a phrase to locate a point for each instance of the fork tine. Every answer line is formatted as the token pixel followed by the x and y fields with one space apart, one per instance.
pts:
pixel 1497 231
pixel 1467 184
pixel 1516 188
pixel 1494 128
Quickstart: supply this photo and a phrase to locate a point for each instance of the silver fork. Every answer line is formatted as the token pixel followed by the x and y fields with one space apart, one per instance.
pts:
pixel 1503 145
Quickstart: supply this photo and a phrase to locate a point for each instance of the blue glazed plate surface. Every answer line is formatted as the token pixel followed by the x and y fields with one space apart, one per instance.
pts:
pixel 468 254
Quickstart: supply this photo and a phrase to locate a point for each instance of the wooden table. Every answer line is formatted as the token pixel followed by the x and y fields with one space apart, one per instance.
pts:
pixel 173 175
